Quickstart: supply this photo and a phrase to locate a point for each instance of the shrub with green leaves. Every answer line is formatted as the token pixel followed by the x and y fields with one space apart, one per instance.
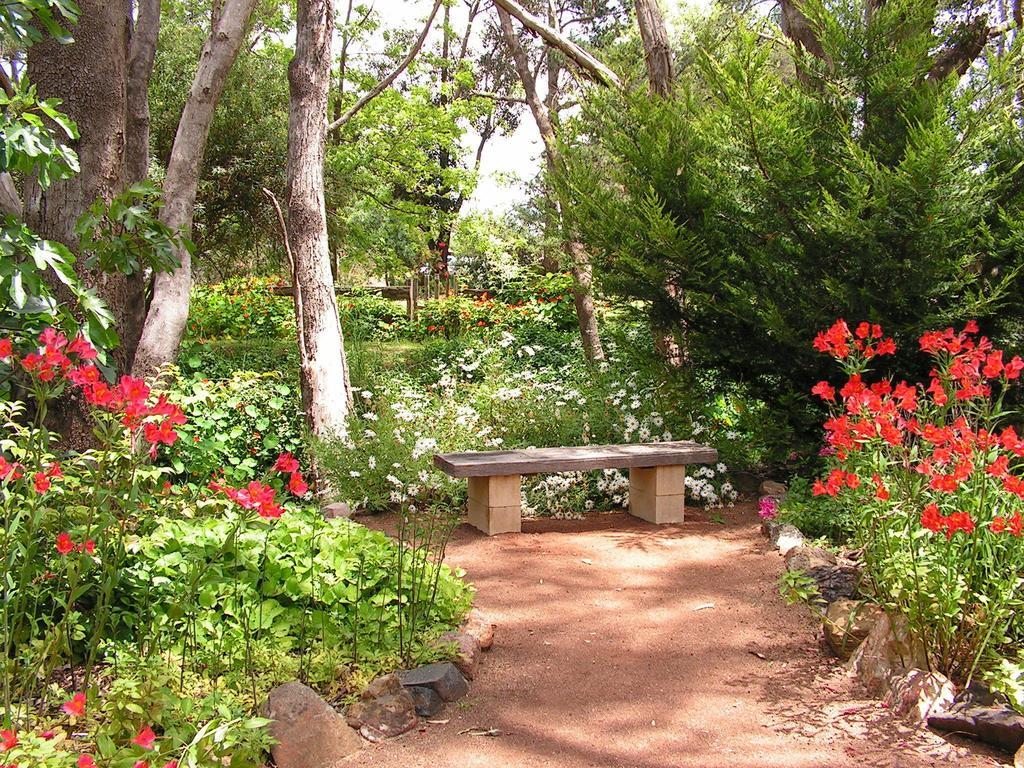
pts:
pixel 236 426
pixel 240 308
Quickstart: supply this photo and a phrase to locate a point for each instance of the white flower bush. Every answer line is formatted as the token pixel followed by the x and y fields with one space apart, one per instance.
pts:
pixel 500 393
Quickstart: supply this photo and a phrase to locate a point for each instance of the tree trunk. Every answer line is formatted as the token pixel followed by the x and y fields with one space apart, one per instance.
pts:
pixel 657 50
pixel 326 394
pixel 579 259
pixel 168 312
pixel 90 77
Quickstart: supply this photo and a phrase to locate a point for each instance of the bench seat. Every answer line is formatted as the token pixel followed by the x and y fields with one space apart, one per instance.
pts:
pixel 657 477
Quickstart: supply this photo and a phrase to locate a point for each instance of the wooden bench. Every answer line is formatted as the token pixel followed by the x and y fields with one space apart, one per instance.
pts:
pixel 657 472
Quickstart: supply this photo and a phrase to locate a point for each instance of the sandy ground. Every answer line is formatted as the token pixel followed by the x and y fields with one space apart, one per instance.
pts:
pixel 621 643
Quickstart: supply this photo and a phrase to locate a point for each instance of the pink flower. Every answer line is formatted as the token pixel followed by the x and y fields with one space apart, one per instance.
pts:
pixel 145 738
pixel 86 761
pixel 768 508
pixel 286 463
pixel 76 706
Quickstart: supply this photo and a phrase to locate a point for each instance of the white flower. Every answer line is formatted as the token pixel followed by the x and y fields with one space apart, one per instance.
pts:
pixel 372 462
pixel 721 467
pixel 370 416
pixel 366 394
pixel 394 480
pixel 354 473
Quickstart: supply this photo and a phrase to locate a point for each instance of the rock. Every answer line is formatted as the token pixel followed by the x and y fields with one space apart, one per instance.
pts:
pixel 746 483
pixel 985 716
pixel 481 627
pixel 918 694
pixel 427 702
pixel 467 651
pixel 385 685
pixel 787 537
pixel 308 732
pixel 887 651
pixel 770 530
pixel 443 678
pixel 807 559
pixel 772 488
pixel 836 582
pixel 338 509
pixel 847 623
pixel 1018 761
pixel 384 709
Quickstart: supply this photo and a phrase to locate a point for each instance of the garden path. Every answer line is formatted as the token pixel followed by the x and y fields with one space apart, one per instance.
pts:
pixel 621 643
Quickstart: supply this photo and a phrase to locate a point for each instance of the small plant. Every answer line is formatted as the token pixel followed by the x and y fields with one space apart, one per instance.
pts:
pixel 796 587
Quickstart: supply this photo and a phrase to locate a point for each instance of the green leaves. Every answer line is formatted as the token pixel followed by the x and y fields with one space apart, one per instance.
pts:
pixel 23 22
pixel 126 236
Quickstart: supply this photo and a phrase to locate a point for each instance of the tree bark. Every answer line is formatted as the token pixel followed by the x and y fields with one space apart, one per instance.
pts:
pixel 591 66
pixel 90 77
pixel 326 394
pixel 575 251
pixel 657 49
pixel 140 66
pixel 168 312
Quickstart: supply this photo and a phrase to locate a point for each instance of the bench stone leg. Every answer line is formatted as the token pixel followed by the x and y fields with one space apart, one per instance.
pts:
pixel 494 504
pixel 657 494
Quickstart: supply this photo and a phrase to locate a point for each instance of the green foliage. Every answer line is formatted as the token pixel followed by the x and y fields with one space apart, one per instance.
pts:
pixel 816 516
pixel 299 582
pixel 368 316
pixel 240 308
pixel 126 236
pixel 26 21
pixel 758 205
pixel 236 427
pixel 216 359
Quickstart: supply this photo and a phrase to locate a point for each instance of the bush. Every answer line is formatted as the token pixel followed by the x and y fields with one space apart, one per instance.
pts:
pixel 369 316
pixel 221 358
pixel 929 477
pixel 236 426
pixel 240 308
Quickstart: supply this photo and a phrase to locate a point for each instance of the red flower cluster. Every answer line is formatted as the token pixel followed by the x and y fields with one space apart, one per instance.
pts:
pixel 936 522
pixel 261 497
pixel 839 342
pixel 10 471
pixel 75 706
pixel 837 480
pixel 65 545
pixel 1014 526
pixel 129 397
pixel 972 362
pixel 42 481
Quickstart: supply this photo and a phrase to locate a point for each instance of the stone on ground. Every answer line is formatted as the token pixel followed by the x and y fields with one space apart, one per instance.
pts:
pixel 772 488
pixel 787 537
pixel 384 709
pixel 444 678
pixel 338 509
pixel 985 716
pixel 888 651
pixel 467 651
pixel 480 626
pixel 847 623
pixel 427 702
pixel 807 559
pixel 918 694
pixel 308 732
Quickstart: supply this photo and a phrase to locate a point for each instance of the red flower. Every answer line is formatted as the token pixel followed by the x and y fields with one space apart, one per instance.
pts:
pixel 286 463
pixel 41 482
pixel 881 492
pixel 297 485
pixel 82 348
pixel 141 764
pixel 6 348
pixel 938 393
pixel 998 468
pixel 76 706
pixel 145 738
pixel 998 524
pixel 8 740
pixel 931 519
pixel 89 547
pixel 162 432
pixel 10 471
pixel 835 341
pixel 86 761
pixel 958 521
pixel 65 545
pixel 824 390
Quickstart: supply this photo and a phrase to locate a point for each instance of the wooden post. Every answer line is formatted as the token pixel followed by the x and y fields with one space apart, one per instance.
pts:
pixel 410 300
pixel 494 504
pixel 657 494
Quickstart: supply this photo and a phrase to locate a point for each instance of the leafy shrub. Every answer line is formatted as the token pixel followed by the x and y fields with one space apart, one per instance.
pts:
pixel 370 316
pixel 240 308
pixel 929 477
pixel 236 426
pixel 816 516
pixel 221 358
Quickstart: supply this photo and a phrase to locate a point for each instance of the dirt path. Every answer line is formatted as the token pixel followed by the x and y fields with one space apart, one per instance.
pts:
pixel 621 643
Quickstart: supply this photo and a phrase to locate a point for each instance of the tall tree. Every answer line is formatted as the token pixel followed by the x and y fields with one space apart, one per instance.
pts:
pixel 657 50
pixel 326 394
pixel 542 110
pixel 168 311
